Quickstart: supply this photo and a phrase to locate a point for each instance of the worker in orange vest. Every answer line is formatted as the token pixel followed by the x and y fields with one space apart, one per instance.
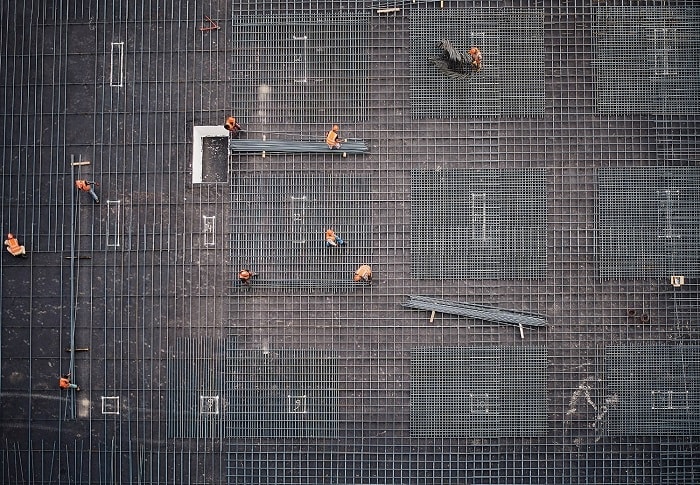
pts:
pixel 245 275
pixel 13 247
pixel 86 186
pixel 332 239
pixel 232 125
pixel 476 58
pixel 65 383
pixel 363 273
pixel 333 138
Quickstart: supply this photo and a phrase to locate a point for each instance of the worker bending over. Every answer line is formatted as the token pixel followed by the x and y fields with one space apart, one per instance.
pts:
pixel 363 273
pixel 86 186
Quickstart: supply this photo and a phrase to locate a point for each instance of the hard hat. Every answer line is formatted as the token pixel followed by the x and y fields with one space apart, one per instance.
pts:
pixel 356 277
pixel 9 235
pixel 336 127
pixel 473 50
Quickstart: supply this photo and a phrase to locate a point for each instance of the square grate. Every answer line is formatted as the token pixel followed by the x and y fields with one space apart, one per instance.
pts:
pixel 478 392
pixel 646 59
pixel 478 223
pixel 283 394
pixel 649 221
pixel 284 66
pixel 285 216
pixel 656 389
pixel 511 79
pixel 195 381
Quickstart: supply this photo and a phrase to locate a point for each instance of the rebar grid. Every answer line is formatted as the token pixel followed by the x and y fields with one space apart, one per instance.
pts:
pixel 162 253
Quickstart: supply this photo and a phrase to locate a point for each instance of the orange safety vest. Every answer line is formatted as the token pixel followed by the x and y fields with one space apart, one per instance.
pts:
pixel 83 185
pixel 330 236
pixel 364 271
pixel 332 138
pixel 14 247
pixel 244 275
pixel 64 383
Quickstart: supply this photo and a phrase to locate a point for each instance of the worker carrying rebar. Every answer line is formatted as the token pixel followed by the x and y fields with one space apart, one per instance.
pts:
pixel 245 275
pixel 332 239
pixel 87 186
pixel 14 247
pixel 232 125
pixel 363 274
pixel 476 58
pixel 65 383
pixel 333 138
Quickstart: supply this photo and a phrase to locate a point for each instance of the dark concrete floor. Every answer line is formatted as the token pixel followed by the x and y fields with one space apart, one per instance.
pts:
pixel 146 279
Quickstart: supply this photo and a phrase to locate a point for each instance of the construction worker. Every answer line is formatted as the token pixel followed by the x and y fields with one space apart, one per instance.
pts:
pixel 333 138
pixel 86 186
pixel 245 275
pixel 65 383
pixel 13 247
pixel 232 125
pixel 476 58
pixel 332 239
pixel 363 273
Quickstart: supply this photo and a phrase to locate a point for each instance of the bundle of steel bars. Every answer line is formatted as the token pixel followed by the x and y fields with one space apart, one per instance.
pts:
pixel 477 312
pixel 289 146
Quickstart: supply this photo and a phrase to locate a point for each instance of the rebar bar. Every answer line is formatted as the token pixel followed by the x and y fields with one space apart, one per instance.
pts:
pixel 474 311
pixel 288 146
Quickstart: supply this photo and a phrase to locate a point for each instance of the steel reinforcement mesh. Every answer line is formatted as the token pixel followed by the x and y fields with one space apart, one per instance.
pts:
pixel 304 376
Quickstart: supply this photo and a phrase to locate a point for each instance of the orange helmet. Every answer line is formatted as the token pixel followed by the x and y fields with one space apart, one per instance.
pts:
pixel 356 277
pixel 10 236
pixel 336 127
pixel 473 50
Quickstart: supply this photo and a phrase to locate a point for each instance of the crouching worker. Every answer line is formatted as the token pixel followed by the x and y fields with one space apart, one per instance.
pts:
pixel 332 239
pixel 65 383
pixel 86 186
pixel 245 275
pixel 14 247
pixel 363 274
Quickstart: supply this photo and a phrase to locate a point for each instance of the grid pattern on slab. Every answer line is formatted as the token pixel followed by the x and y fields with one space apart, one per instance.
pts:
pixel 478 392
pixel 278 228
pixel 510 81
pixel 646 59
pixel 195 387
pixel 478 223
pixel 282 394
pixel 302 67
pixel 649 221
pixel 654 390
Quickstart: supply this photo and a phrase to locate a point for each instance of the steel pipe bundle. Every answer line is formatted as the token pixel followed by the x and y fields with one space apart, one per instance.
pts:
pixel 477 312
pixel 236 145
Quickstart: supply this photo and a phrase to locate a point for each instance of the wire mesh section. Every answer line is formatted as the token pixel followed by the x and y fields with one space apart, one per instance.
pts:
pixel 195 377
pixel 656 389
pixel 478 223
pixel 278 228
pixel 510 81
pixel 282 394
pixel 649 221
pixel 300 68
pixel 646 59
pixel 478 392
